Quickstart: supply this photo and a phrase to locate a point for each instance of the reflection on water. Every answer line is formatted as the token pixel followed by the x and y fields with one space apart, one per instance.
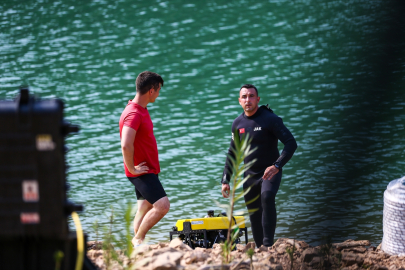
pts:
pixel 332 70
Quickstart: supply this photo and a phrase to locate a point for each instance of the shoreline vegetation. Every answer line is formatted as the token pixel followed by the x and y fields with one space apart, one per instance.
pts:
pixel 285 254
pixel 116 253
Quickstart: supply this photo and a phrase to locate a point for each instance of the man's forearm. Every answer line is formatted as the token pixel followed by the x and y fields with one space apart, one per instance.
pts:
pixel 128 154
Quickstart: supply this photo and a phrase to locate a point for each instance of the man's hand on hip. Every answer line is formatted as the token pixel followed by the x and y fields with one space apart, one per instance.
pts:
pixel 225 190
pixel 270 172
pixel 139 169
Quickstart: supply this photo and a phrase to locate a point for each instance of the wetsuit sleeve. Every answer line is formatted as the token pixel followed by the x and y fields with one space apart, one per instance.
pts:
pixel 285 136
pixel 226 176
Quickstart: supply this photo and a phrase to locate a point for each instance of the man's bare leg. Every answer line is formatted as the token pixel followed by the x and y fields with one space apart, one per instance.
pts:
pixel 143 207
pixel 158 211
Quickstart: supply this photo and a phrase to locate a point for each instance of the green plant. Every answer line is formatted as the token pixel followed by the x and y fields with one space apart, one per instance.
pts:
pixel 96 228
pixel 240 151
pixel 327 246
pixel 290 252
pixel 122 242
pixel 339 257
pixel 326 249
pixel 108 248
pixel 58 256
pixel 250 252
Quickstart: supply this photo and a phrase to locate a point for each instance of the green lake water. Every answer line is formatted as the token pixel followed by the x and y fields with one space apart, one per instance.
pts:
pixel 333 70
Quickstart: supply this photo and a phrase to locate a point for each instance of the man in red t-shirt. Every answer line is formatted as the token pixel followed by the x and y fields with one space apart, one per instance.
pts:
pixel 140 153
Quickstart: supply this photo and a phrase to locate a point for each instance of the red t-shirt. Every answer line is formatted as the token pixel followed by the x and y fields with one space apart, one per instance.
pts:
pixel 145 147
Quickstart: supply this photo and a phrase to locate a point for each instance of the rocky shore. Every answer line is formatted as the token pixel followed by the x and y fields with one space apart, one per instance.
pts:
pixel 284 254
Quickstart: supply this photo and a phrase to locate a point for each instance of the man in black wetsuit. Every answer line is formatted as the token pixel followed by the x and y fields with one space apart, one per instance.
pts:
pixel 265 129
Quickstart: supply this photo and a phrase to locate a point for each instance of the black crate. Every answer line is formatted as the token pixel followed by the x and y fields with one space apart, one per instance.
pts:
pixel 34 209
pixel 32 167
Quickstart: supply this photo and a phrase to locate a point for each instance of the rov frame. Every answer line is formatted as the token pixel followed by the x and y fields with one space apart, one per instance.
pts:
pixel 188 231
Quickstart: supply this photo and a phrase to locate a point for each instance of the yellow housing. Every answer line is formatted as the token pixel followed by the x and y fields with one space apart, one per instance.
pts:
pixel 212 223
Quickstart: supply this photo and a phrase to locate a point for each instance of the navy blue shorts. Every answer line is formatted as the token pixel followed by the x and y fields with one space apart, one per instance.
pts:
pixel 148 187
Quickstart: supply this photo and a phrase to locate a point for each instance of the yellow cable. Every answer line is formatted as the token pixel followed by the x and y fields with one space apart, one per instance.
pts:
pixel 80 241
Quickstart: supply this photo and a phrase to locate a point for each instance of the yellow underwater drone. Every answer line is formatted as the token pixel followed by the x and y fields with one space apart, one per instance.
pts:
pixel 207 231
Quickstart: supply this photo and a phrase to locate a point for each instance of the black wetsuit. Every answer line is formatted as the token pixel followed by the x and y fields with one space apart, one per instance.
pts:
pixel 265 129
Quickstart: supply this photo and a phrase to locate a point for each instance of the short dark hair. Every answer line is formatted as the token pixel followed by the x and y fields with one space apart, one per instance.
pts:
pixel 249 86
pixel 146 80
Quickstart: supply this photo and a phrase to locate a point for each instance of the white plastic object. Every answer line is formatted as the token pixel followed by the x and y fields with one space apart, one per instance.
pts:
pixel 393 241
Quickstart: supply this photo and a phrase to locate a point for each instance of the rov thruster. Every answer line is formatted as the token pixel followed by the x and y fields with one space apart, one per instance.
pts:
pixel 207 231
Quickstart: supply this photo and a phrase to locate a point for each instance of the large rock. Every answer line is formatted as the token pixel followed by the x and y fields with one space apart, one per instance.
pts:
pixel 309 254
pixel 157 252
pixel 195 256
pixel 360 249
pixel 167 261
pixel 142 249
pixel 353 255
pixel 164 261
pixel 215 267
pixel 349 259
pixel 177 243
pixel 378 267
pixel 350 243
pixel 96 245
pixel 249 246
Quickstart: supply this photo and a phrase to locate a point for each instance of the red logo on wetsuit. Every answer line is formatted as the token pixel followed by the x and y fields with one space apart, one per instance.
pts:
pixel 241 130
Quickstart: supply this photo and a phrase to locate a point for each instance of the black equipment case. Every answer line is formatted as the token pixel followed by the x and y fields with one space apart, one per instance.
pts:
pixel 34 209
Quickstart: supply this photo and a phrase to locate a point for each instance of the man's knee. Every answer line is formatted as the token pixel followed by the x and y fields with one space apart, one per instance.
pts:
pixel 144 206
pixel 162 205
pixel 268 198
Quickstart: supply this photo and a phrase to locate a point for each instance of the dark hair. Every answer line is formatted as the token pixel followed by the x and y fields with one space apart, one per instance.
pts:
pixel 146 80
pixel 249 86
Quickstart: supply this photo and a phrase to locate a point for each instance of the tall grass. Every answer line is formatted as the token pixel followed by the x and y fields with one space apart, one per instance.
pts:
pixel 117 246
pixel 240 151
